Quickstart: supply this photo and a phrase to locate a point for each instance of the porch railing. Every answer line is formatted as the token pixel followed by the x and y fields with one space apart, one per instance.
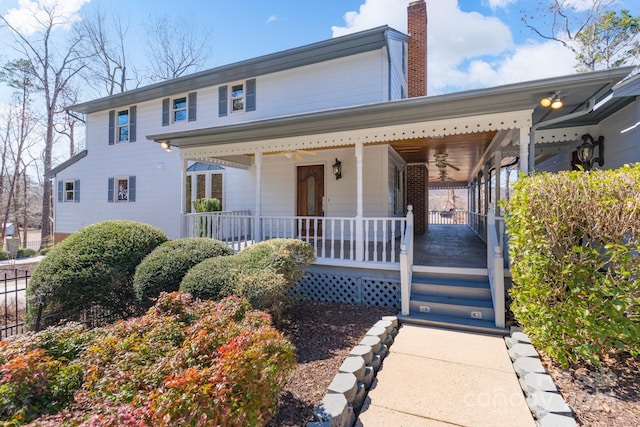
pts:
pixel 335 237
pixel 406 264
pixel 495 269
pixel 449 217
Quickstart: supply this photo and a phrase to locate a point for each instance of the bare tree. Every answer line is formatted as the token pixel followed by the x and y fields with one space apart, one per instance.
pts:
pixel 176 47
pixel 53 66
pixel 104 40
pixel 597 35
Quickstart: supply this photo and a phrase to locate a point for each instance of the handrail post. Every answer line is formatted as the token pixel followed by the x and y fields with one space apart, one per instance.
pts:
pixel 406 264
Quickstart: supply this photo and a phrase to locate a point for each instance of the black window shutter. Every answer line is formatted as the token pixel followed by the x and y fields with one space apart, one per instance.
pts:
pixel 110 194
pixel 222 101
pixel 132 188
pixel 60 185
pixel 132 124
pixel 251 95
pixel 165 112
pixel 112 126
pixel 193 100
pixel 76 191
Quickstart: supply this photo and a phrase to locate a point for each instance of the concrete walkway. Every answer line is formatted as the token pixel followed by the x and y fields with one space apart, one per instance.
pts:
pixel 437 377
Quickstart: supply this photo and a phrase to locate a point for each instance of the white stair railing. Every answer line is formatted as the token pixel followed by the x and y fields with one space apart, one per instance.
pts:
pixel 495 269
pixel 406 263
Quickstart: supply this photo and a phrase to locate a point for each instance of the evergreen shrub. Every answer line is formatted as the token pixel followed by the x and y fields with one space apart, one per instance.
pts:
pixel 92 267
pixel 164 268
pixel 573 245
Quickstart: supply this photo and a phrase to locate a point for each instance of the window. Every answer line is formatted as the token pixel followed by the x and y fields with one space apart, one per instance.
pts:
pixel 238 97
pixel 180 109
pixel 122 125
pixel 69 191
pixel 122 189
pixel 399 200
pixel 203 181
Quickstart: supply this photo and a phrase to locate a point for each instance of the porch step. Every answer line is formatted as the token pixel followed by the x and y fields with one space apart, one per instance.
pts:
pixel 464 308
pixel 449 322
pixel 456 298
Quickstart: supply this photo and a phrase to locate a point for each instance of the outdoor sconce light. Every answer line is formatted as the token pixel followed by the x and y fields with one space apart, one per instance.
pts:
pixel 552 101
pixel 337 169
pixel 166 146
pixel 586 151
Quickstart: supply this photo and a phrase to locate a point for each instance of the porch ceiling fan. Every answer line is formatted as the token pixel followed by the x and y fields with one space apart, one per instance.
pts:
pixel 441 162
pixel 443 177
pixel 297 154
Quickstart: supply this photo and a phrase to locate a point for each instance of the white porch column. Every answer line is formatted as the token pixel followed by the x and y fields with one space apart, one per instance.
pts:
pixel 183 199
pixel 257 226
pixel 359 204
pixel 525 146
pixel 497 161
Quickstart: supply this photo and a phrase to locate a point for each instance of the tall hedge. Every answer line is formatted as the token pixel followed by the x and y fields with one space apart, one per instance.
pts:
pixel 163 269
pixel 92 267
pixel 573 244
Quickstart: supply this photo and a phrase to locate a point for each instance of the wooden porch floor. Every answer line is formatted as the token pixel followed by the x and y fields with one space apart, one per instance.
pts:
pixel 449 246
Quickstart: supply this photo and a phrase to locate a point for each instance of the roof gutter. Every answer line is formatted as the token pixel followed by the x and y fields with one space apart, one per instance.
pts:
pixel 532 134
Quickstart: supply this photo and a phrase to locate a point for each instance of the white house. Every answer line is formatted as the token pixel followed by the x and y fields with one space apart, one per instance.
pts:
pixel 332 142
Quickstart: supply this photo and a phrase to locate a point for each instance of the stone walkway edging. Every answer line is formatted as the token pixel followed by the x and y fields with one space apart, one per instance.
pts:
pixel 543 398
pixel 348 390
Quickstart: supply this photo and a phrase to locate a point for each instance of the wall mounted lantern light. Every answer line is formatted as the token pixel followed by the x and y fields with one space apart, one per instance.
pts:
pixel 586 151
pixel 552 101
pixel 166 146
pixel 337 169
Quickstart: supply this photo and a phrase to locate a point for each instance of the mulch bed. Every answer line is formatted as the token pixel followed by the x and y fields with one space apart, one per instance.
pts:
pixel 606 396
pixel 324 334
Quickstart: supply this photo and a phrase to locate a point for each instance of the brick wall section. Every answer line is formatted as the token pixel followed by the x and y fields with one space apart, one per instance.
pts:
pixel 59 237
pixel 417 48
pixel 417 195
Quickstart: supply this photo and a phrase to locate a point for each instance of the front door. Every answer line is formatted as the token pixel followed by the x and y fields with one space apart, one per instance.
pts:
pixel 310 197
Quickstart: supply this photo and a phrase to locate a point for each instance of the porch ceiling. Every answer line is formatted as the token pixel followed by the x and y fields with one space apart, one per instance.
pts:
pixel 463 151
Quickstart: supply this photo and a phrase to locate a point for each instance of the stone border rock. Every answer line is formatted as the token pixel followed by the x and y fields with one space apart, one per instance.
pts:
pixel 346 393
pixel 543 398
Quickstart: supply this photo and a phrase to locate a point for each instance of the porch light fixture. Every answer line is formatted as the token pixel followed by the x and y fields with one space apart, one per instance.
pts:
pixel 552 101
pixel 337 169
pixel 586 151
pixel 166 146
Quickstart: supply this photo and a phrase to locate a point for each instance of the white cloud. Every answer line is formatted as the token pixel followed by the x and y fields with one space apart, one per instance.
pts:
pixel 26 16
pixel 494 4
pixel 476 51
pixel 374 13
pixel 272 18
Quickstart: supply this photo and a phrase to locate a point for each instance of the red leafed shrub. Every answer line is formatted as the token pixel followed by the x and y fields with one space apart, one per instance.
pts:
pixel 183 363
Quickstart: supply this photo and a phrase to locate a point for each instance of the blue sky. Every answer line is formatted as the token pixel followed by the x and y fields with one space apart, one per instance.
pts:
pixel 472 44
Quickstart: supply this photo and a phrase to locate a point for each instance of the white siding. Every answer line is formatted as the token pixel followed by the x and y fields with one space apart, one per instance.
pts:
pixel 398 80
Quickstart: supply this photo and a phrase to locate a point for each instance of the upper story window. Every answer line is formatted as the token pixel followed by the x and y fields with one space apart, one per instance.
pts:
pixel 180 109
pixel 69 191
pixel 122 125
pixel 237 97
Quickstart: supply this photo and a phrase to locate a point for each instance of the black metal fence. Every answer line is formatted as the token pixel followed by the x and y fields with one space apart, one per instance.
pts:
pixel 13 302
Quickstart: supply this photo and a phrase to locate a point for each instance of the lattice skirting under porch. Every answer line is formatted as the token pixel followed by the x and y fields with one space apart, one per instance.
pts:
pixel 348 289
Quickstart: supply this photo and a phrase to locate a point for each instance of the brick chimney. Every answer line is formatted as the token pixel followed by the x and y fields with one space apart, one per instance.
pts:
pixel 417 49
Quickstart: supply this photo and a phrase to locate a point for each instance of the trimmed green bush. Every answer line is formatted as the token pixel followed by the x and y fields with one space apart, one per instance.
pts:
pixel 183 363
pixel 92 267
pixel 25 253
pixel 213 278
pixel 207 205
pixel 163 269
pixel 4 254
pixel 44 251
pixel 574 239
pixel 289 257
pixel 265 290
